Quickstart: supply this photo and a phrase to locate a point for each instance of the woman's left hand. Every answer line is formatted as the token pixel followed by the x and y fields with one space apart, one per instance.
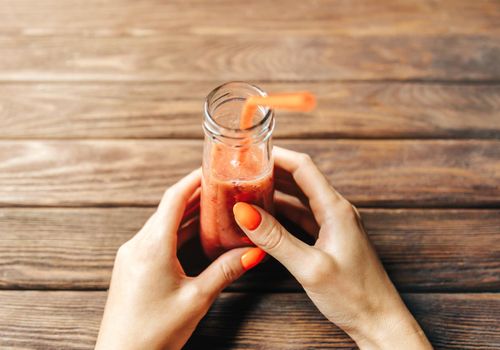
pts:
pixel 151 303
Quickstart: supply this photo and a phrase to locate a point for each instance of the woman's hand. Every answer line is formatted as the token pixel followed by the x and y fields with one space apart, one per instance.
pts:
pixel 152 304
pixel 341 273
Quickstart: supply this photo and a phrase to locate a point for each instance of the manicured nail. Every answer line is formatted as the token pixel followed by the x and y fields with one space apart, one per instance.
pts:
pixel 252 257
pixel 247 215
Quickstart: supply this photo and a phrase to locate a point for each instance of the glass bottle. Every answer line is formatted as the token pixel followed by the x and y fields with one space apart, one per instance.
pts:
pixel 237 165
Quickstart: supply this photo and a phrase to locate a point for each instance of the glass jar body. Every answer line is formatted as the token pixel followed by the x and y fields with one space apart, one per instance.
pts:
pixel 237 167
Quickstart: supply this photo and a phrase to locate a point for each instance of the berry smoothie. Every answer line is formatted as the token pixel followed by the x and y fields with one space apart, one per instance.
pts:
pixel 228 179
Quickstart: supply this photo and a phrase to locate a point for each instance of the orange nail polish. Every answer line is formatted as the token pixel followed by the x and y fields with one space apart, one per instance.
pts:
pixel 247 215
pixel 252 257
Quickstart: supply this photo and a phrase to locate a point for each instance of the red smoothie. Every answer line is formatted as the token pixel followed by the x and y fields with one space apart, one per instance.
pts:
pixel 227 179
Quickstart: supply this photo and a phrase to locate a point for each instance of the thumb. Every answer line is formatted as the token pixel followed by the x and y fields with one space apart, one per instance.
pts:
pixel 267 233
pixel 227 268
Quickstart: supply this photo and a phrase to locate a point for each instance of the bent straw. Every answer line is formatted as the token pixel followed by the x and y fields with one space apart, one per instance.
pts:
pixel 295 101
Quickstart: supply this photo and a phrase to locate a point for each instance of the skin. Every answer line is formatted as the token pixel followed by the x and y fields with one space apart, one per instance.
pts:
pixel 151 303
pixel 341 272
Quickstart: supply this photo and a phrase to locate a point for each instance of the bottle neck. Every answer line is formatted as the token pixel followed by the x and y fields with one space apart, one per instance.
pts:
pixel 223 108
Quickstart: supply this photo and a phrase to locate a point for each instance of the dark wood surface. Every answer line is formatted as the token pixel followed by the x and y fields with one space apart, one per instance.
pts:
pixel 358 109
pixel 70 320
pixel 406 173
pixel 226 17
pixel 177 41
pixel 100 111
pixel 423 250
pixel 248 57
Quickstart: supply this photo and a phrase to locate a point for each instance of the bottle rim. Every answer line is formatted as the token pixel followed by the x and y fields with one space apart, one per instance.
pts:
pixel 262 129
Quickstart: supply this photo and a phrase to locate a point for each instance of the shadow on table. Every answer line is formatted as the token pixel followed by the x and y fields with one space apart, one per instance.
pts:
pixel 220 328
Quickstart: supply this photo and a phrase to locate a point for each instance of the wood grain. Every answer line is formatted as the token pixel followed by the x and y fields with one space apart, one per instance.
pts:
pixel 74 248
pixel 135 70
pixel 225 17
pixel 174 110
pixel 369 173
pixel 70 320
pixel 433 310
pixel 63 248
pixel 179 57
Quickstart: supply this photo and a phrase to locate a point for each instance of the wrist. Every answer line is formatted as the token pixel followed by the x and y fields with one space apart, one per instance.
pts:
pixel 394 328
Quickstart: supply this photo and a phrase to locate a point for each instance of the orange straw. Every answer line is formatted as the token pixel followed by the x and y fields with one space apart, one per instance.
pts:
pixel 295 101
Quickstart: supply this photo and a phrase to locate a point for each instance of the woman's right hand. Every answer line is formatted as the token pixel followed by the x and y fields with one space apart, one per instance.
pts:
pixel 341 273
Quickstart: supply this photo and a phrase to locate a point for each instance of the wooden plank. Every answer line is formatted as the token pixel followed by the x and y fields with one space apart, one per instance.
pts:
pixel 223 17
pixel 268 57
pixel 291 321
pixel 70 320
pixel 50 320
pixel 63 248
pixel 74 248
pixel 174 110
pixel 369 173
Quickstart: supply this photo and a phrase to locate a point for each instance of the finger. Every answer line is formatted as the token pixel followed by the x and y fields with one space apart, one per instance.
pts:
pixel 223 271
pixel 192 207
pixel 187 231
pixel 267 233
pixel 146 228
pixel 310 180
pixel 194 200
pixel 173 204
pixel 190 213
pixel 293 209
pixel 356 211
pixel 290 187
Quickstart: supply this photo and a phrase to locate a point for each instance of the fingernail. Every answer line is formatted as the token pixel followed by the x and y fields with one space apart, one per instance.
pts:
pixel 252 257
pixel 247 215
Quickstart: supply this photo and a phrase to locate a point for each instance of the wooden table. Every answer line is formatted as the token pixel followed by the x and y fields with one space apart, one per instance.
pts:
pixel 100 111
